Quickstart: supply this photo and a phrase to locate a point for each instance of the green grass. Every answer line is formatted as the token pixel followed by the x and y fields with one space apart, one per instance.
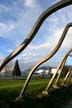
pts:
pixel 10 89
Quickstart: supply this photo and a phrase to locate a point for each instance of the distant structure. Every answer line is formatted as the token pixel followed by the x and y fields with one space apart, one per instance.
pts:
pixel 5 72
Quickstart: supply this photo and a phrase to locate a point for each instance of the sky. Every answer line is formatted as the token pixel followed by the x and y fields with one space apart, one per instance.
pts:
pixel 17 18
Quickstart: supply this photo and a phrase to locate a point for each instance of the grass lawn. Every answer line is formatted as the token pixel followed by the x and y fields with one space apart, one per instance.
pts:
pixel 10 89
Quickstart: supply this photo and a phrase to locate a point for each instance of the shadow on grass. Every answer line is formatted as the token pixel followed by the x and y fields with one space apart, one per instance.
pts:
pixel 56 99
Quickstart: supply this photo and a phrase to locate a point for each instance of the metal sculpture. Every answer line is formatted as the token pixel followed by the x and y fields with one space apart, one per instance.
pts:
pixel 56 82
pixel 69 79
pixel 59 66
pixel 55 85
pixel 35 29
pixel 32 34
pixel 44 60
pixel 69 74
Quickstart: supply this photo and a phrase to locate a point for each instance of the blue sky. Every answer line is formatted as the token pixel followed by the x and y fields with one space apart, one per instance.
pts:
pixel 17 18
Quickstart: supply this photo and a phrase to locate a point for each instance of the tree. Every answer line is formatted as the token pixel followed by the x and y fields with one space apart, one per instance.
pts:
pixel 16 71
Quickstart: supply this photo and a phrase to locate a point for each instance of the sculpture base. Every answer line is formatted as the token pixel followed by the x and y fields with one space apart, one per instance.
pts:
pixel 64 85
pixel 43 94
pixel 56 86
pixel 19 99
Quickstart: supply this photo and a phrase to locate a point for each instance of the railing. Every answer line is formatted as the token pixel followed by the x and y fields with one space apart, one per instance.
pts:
pixel 32 34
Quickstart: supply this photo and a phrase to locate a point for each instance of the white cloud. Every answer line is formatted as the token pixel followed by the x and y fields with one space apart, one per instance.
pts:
pixel 39 47
pixel 67 43
pixel 28 56
pixel 68 40
pixel 1 57
pixel 25 20
pixel 9 50
pixel 55 1
pixel 55 24
pixel 5 29
pixel 30 3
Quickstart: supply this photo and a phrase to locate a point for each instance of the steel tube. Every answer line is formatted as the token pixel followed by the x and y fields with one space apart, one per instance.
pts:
pixel 35 29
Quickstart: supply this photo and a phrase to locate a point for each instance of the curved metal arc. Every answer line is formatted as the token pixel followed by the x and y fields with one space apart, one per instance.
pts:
pixel 35 29
pixel 60 71
pixel 61 62
pixel 45 59
pixel 69 78
pixel 56 82
pixel 68 74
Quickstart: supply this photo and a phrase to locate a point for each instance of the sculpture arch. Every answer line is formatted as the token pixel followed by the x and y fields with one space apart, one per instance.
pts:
pixel 32 34
pixel 61 62
pixel 35 29
pixel 44 60
pixel 69 74
pixel 61 68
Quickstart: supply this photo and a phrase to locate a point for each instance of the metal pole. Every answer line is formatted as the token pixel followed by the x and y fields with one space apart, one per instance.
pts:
pixel 61 62
pixel 45 59
pixel 55 85
pixel 69 78
pixel 35 29
pixel 63 83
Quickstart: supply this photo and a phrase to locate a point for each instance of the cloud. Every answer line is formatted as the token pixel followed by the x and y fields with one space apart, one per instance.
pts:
pixel 9 50
pixel 5 29
pixel 30 3
pixel 57 23
pixel 55 1
pixel 39 47
pixel 1 57
pixel 28 56
pixel 68 40
pixel 16 31
pixel 48 35
pixel 54 30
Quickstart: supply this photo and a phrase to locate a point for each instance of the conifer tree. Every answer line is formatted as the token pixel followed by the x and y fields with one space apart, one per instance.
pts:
pixel 16 71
